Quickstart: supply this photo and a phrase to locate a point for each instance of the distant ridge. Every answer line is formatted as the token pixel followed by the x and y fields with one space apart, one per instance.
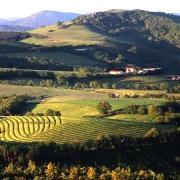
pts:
pixel 43 18
pixel 8 28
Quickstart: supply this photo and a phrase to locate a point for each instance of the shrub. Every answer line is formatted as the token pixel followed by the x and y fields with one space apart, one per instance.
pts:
pixel 104 107
pixel 142 109
pixel 131 109
pixel 51 112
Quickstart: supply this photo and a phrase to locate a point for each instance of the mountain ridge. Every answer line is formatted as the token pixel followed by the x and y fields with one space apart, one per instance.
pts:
pixel 42 18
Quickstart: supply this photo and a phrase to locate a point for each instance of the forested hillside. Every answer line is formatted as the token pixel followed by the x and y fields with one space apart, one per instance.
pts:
pixel 13 36
pixel 152 26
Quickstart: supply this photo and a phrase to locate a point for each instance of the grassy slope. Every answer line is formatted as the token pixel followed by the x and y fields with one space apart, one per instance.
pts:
pixel 80 122
pixel 76 35
pixel 73 35
pixel 81 108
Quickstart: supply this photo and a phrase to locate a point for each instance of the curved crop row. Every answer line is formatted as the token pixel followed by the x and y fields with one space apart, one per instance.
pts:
pixel 24 128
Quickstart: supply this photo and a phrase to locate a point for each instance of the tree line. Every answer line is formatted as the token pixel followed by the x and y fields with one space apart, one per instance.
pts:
pixel 49 160
pixel 12 105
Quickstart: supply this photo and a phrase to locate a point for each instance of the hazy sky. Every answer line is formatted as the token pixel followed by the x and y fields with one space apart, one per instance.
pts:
pixel 21 8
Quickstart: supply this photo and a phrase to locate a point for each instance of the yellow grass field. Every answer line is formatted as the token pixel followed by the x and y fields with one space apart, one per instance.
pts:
pixel 73 35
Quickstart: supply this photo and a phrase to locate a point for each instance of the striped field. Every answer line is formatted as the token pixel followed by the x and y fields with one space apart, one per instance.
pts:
pixel 48 129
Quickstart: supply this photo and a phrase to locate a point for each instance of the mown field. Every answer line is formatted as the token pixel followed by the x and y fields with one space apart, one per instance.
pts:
pixel 69 94
pixel 63 94
pixel 48 129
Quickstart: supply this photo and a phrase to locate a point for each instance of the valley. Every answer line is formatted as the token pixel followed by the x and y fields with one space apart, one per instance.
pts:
pixel 94 96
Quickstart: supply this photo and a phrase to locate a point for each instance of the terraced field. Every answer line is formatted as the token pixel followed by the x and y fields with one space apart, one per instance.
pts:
pixel 46 129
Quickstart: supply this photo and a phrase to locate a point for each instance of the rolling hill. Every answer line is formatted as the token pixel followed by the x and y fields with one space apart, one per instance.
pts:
pixel 141 37
pixel 112 38
pixel 140 27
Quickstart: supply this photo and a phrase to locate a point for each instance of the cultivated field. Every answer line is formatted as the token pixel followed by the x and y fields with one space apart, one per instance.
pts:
pixel 47 129
pixel 80 119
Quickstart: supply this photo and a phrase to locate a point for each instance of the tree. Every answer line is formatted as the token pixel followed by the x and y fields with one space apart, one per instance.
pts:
pixel 62 80
pixel 131 109
pixel 164 86
pixel 32 168
pixel 74 173
pixel 59 23
pixel 51 171
pixel 114 86
pixel 84 71
pixel 51 112
pixel 10 169
pixel 94 84
pixel 142 109
pixel 154 110
pixel 133 50
pixel 106 85
pixel 120 59
pixel 91 173
pixel 104 107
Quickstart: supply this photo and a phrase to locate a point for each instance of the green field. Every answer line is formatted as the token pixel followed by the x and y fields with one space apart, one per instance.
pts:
pixel 83 108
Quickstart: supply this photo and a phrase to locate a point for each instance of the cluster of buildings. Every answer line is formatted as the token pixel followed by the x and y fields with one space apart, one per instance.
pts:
pixel 132 69
pixel 173 77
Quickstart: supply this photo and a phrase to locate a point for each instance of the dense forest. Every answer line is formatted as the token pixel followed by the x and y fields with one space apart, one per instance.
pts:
pixel 107 157
pixel 12 105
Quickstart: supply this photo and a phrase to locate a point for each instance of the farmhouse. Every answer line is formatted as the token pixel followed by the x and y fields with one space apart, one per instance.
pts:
pixel 131 69
pixel 116 72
